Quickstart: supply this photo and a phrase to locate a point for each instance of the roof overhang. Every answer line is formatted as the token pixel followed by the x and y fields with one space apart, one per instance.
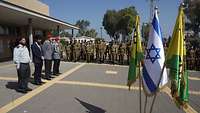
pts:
pixel 19 16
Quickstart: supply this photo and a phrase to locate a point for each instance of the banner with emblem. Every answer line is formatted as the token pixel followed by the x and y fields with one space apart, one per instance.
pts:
pixel 154 60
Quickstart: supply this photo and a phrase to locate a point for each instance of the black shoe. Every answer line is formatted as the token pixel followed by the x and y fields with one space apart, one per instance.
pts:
pixel 42 82
pixel 51 77
pixel 28 89
pixel 37 83
pixel 48 78
pixel 59 73
pixel 21 90
pixel 54 74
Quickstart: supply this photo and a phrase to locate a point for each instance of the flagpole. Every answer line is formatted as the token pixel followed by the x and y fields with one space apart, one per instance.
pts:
pixel 154 98
pixel 145 105
pixel 140 89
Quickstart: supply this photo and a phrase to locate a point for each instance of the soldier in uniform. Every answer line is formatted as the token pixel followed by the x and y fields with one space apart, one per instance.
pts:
pixel 128 51
pixel 192 52
pixel 122 51
pixel 68 51
pixel 83 50
pixel 93 49
pixel 197 59
pixel 104 51
pixel 78 51
pixel 101 51
pixel 97 50
pixel 56 56
pixel 88 52
pixel 110 51
pixel 114 52
pixel 75 51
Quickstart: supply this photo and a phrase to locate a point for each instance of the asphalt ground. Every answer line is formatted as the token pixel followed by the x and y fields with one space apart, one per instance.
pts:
pixel 87 88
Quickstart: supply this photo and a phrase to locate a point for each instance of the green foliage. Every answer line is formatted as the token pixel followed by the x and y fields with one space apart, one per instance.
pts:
pixel 119 22
pixel 192 11
pixel 65 34
pixel 91 33
pixel 84 29
pixel 110 22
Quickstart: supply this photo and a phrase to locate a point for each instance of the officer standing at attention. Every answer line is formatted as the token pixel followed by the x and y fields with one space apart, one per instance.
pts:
pixel 56 56
pixel 22 59
pixel 47 52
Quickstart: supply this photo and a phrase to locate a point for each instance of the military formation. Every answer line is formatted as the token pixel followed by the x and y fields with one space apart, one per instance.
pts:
pixel 193 58
pixel 98 52
pixel 113 52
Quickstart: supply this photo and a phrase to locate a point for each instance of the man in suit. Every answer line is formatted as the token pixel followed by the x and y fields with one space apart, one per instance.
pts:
pixel 47 52
pixel 37 60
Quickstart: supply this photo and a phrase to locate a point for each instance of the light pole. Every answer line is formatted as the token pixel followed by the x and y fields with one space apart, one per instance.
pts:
pixel 101 31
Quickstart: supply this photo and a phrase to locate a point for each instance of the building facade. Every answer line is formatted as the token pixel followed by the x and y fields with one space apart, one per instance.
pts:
pixel 25 18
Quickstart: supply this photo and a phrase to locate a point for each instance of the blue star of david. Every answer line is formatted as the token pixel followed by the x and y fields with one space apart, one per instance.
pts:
pixel 155 56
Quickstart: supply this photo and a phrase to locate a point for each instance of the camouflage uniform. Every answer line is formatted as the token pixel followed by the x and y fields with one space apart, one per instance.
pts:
pixel 122 51
pixel 101 51
pixel 128 51
pixel 88 52
pixel 68 52
pixel 97 50
pixel 115 48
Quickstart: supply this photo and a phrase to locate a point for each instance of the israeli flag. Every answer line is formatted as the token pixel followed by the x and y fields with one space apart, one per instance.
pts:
pixel 154 59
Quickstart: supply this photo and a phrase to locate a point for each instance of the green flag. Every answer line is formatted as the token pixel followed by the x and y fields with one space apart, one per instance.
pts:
pixel 136 54
pixel 176 62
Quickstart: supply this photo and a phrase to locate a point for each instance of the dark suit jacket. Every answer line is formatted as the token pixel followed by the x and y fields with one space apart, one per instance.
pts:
pixel 37 53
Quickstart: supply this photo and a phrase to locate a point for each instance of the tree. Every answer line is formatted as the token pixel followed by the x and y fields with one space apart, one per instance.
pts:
pixel 84 29
pixel 110 21
pixel 192 11
pixel 83 25
pixel 64 33
pixel 91 33
pixel 119 22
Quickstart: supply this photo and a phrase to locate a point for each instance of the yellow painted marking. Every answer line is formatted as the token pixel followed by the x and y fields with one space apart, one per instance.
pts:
pixel 187 110
pixel 89 84
pixel 36 91
pixel 194 78
pixel 166 90
pixel 111 72
pixel 107 65
pixel 96 85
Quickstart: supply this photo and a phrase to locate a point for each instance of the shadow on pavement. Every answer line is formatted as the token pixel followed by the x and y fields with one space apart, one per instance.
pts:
pixel 91 108
pixel 12 85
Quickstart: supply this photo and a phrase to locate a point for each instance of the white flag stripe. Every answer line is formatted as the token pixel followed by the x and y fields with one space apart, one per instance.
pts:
pixel 154 59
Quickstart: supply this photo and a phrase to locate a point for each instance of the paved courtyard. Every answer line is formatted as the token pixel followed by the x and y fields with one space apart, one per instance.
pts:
pixel 87 88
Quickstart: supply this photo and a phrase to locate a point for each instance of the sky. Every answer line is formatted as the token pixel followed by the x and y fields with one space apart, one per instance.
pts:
pixel 94 10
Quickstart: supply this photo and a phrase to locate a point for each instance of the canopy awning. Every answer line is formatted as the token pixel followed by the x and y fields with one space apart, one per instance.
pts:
pixel 15 15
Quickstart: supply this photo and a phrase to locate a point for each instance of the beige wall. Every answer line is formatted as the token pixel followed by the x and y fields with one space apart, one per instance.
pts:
pixel 34 5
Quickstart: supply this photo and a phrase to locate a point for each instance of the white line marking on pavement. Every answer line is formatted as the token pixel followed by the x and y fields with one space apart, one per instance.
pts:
pixel 111 72
pixel 36 91
pixel 194 78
